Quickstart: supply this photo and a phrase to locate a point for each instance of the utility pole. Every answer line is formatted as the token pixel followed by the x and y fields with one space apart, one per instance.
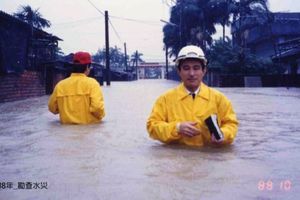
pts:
pixel 136 61
pixel 126 69
pixel 167 63
pixel 107 57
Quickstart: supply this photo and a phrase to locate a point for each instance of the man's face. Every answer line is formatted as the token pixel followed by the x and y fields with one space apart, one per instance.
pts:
pixel 191 73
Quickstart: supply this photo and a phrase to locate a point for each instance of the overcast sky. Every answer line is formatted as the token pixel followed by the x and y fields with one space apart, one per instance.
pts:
pixel 136 22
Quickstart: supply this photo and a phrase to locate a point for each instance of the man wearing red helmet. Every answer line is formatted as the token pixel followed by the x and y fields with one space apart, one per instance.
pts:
pixel 78 99
pixel 192 113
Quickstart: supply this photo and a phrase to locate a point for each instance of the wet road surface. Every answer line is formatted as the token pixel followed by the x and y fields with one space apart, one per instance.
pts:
pixel 117 160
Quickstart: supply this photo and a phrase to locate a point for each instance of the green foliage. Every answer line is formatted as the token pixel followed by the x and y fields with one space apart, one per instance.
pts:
pixel 117 57
pixel 32 17
pixel 136 58
pixel 227 59
pixel 194 21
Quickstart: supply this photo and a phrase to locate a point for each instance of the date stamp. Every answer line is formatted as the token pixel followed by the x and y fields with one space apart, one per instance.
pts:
pixel 270 185
pixel 23 185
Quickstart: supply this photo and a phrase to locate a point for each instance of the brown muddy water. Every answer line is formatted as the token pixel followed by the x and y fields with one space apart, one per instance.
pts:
pixel 41 159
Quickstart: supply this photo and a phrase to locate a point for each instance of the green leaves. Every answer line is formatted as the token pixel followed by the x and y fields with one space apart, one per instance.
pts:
pixel 32 17
pixel 117 57
pixel 227 59
pixel 194 21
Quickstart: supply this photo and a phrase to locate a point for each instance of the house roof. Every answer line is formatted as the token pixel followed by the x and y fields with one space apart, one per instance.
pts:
pixel 284 24
pixel 286 56
pixel 290 51
pixel 151 64
pixel 286 16
pixel 39 33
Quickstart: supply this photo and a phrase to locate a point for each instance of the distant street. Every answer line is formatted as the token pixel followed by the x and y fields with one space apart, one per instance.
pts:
pixel 117 160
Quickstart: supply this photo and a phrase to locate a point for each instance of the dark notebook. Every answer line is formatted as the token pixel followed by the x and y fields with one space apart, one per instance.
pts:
pixel 213 127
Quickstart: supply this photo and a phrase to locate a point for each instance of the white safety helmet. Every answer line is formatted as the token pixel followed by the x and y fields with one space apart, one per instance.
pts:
pixel 190 51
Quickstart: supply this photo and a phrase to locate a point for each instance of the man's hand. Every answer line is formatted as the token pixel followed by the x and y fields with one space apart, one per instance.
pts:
pixel 188 129
pixel 215 141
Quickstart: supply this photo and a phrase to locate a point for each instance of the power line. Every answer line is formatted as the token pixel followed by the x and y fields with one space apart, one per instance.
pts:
pixel 137 20
pixel 124 18
pixel 96 7
pixel 117 34
pixel 114 29
pixel 78 21
pixel 149 22
pixel 156 23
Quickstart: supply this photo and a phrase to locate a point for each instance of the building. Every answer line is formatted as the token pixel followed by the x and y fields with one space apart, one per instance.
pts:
pixel 270 40
pixel 23 49
pixel 151 70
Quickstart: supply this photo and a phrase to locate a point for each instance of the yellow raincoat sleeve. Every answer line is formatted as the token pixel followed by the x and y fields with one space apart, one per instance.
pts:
pixel 52 104
pixel 97 102
pixel 158 126
pixel 229 123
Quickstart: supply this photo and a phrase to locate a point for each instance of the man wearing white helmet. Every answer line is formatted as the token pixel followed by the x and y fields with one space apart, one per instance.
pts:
pixel 192 113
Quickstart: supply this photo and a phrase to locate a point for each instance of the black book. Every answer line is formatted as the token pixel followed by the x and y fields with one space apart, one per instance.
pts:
pixel 213 127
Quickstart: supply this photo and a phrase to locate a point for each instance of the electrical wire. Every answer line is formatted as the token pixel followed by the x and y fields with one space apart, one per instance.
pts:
pixel 114 29
pixel 116 32
pixel 96 7
pixel 156 23
pixel 77 21
pixel 148 22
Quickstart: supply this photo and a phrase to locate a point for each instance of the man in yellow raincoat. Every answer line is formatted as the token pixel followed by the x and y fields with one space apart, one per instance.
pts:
pixel 181 114
pixel 78 99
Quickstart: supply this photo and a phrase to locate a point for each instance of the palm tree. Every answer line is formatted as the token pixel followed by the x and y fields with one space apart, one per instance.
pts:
pixel 172 39
pixel 191 22
pixel 32 17
pixel 116 57
pixel 248 14
pixel 223 9
pixel 136 57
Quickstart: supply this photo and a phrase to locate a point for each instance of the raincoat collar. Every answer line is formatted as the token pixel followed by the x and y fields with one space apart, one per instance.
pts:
pixel 78 74
pixel 203 93
pixel 196 92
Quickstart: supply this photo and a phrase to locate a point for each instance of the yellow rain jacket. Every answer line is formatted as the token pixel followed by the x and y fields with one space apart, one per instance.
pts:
pixel 177 106
pixel 78 100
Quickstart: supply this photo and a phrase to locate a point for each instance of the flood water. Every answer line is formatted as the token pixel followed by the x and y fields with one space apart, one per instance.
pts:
pixel 117 160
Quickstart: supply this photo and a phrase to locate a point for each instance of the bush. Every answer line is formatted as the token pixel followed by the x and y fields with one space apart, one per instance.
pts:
pixel 234 60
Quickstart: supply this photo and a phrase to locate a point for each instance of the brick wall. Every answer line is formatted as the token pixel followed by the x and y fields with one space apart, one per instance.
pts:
pixel 20 86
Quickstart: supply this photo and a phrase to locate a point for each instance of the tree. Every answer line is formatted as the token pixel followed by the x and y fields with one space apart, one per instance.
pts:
pixel 192 22
pixel 223 9
pixel 243 8
pixel 32 17
pixel 116 57
pixel 136 57
pixel 230 60
pixel 99 56
pixel 240 11
pixel 248 14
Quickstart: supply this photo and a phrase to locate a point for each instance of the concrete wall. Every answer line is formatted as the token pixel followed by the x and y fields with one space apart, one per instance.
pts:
pixel 21 86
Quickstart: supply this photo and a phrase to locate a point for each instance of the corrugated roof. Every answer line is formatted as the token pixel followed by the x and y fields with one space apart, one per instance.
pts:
pixel 7 16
